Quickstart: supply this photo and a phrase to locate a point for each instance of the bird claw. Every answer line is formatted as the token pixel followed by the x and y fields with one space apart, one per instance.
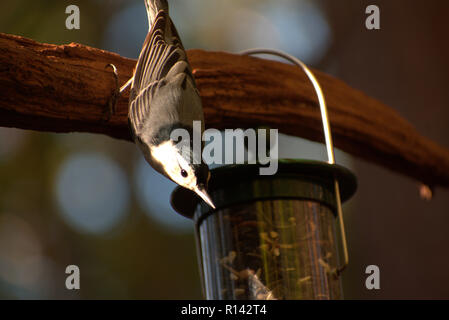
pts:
pixel 115 94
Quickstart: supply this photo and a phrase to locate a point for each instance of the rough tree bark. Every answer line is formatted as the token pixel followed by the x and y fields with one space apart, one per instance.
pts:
pixel 64 88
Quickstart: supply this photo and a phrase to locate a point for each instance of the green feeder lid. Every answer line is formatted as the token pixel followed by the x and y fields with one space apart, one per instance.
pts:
pixel 295 179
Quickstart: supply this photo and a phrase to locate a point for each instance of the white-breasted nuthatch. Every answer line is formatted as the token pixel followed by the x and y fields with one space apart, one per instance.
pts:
pixel 164 97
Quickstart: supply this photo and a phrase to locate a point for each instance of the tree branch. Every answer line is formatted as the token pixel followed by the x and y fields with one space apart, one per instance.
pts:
pixel 65 88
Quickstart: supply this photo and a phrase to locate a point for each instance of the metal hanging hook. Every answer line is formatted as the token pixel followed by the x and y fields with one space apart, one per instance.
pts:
pixel 327 136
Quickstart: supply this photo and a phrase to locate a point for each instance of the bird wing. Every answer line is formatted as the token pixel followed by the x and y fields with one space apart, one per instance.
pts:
pixel 162 58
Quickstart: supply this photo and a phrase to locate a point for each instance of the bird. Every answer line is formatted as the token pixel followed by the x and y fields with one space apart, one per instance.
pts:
pixel 164 97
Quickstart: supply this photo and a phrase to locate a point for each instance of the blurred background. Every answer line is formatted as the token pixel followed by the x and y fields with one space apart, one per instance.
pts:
pixel 92 201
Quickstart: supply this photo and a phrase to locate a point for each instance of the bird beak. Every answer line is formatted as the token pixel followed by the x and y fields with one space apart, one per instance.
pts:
pixel 201 191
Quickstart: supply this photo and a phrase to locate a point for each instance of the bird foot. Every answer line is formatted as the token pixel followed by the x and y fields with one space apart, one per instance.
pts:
pixel 112 101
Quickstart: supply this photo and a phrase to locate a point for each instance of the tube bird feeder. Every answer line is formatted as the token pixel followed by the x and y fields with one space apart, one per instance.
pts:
pixel 273 237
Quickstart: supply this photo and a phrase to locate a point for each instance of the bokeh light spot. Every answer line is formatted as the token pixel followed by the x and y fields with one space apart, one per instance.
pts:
pixel 93 192
pixel 303 28
pixel 22 262
pixel 126 31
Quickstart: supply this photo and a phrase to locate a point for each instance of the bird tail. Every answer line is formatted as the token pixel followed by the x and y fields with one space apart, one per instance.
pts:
pixel 153 7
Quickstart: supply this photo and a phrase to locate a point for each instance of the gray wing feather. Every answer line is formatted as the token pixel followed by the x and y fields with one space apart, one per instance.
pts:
pixel 162 59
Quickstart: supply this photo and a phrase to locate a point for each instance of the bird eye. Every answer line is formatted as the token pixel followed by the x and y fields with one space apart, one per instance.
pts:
pixel 184 173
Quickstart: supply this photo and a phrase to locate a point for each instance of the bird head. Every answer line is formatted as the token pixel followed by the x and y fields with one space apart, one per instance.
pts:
pixel 177 163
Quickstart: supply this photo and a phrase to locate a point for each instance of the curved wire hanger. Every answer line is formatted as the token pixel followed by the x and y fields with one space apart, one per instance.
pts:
pixel 327 136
